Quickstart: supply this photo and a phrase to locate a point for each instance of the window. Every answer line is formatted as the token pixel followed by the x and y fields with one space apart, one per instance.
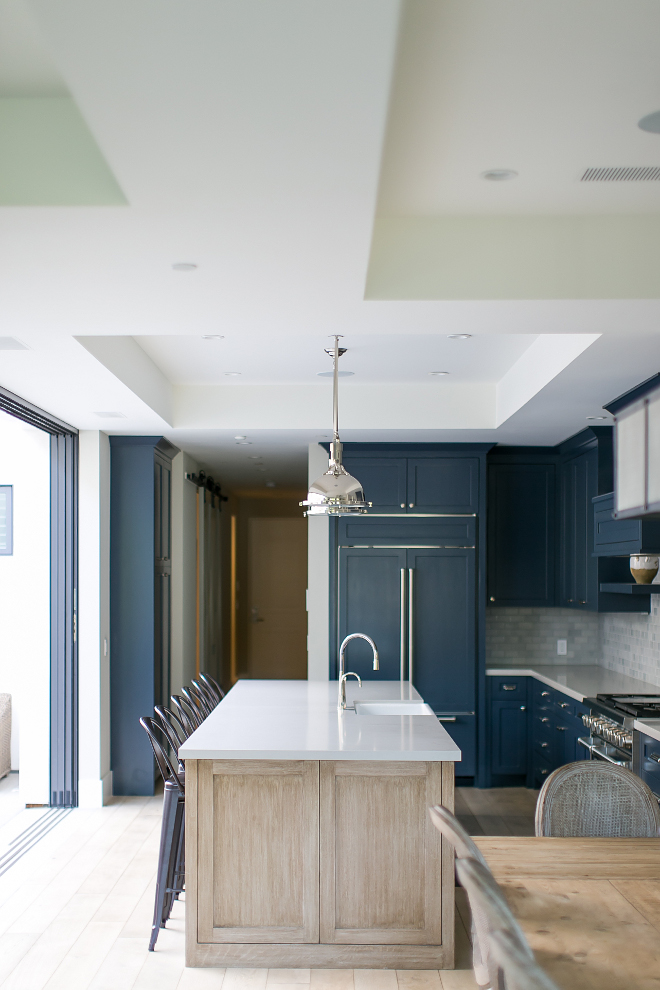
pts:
pixel 6 521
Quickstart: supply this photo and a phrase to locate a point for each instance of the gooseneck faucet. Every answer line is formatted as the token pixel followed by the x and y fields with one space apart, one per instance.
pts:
pixel 341 701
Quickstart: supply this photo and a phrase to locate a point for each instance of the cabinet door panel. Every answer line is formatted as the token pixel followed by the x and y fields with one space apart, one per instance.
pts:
pixel 370 602
pixel 521 534
pixel 258 884
pixel 381 862
pixel 444 628
pixel 579 569
pixel 443 484
pixel 383 481
pixel 508 735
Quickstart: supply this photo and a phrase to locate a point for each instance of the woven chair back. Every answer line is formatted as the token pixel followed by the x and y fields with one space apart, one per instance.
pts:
pixel 593 798
pixel 449 825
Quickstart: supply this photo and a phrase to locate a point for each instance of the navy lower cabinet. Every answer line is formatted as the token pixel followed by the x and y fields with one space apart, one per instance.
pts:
pixel 508 730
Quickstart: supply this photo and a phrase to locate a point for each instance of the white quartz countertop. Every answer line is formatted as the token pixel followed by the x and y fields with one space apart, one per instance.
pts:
pixel 651 726
pixel 578 681
pixel 298 720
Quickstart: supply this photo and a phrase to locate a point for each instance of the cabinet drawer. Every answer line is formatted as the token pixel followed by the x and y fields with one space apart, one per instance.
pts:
pixel 509 689
pixel 542 722
pixel 542 770
pixel 542 694
pixel 565 705
pixel 543 746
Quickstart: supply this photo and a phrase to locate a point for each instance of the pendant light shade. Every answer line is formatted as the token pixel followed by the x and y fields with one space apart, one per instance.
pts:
pixel 336 492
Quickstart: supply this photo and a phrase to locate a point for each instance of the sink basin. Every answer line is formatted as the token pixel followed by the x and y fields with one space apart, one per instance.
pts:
pixel 392 708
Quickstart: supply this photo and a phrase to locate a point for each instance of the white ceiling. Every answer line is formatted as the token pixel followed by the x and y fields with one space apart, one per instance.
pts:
pixel 260 141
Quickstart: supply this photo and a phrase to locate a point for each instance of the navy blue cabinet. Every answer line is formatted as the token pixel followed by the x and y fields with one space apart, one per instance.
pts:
pixel 443 484
pixel 508 728
pixel 384 481
pixel 522 504
pixel 622 536
pixel 555 727
pixel 140 569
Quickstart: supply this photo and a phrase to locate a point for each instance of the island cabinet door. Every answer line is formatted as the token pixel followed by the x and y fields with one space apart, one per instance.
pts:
pixel 258 851
pixel 383 864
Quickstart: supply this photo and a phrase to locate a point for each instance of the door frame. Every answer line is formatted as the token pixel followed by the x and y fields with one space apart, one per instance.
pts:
pixel 63 595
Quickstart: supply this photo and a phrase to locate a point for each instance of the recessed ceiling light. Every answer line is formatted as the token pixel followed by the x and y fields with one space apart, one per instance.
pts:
pixel 111 415
pixel 184 266
pixel 340 374
pixel 270 484
pixel 244 443
pixel 232 374
pixel 499 174
pixel 212 336
pixel 240 438
pixel 651 122
pixel 596 417
pixel 458 336
pixel 255 457
pixel 435 373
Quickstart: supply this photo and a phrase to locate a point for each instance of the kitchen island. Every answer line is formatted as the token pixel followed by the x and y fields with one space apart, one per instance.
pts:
pixel 308 840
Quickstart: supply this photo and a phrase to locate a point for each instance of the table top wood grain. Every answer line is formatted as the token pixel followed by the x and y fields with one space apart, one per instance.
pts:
pixel 590 908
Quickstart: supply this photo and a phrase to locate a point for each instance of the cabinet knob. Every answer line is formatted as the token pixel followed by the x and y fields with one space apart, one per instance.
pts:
pixel 410 505
pixel 543 773
pixel 545 719
pixel 509 687
pixel 560 728
pixel 564 704
pixel 582 603
pixel 523 708
pixel 492 598
pixel 544 745
pixel 569 600
pixel 403 505
pixel 545 694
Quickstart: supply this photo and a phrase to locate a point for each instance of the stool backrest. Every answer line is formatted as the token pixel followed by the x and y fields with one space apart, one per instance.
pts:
pixel 203 703
pixel 212 685
pixel 594 798
pixel 194 702
pixel 165 765
pixel 188 713
pixel 204 692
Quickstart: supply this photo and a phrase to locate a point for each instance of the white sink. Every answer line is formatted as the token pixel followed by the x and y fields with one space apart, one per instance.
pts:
pixel 392 708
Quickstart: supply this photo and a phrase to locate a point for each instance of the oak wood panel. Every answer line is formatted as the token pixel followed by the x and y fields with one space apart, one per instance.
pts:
pixel 258 866
pixel 381 859
pixel 319 956
pixel 190 836
pixel 586 933
pixel 528 856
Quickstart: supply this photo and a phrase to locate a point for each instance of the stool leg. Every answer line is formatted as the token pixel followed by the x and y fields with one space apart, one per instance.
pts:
pixel 176 871
pixel 170 805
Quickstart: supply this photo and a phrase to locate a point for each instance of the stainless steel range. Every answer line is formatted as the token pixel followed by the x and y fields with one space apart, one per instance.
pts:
pixel 610 725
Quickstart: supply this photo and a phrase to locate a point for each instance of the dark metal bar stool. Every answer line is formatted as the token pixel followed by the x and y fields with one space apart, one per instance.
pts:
pixel 212 685
pixel 202 691
pixel 171 867
pixel 189 714
pixel 192 699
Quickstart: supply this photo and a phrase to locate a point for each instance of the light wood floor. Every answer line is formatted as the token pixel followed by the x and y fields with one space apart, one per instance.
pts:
pixel 75 914
pixel 496 810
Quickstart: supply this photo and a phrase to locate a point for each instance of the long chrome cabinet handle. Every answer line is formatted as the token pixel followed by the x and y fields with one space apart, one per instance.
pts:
pixel 402 636
pixel 411 619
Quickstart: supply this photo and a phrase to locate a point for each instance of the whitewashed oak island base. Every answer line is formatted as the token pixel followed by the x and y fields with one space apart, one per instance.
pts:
pixel 308 839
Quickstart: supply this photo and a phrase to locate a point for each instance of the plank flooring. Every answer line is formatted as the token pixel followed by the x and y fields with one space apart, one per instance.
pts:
pixel 496 810
pixel 75 914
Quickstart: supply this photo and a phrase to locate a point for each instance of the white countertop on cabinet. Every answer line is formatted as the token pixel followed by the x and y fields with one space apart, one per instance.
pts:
pixel 298 720
pixel 578 681
pixel 650 726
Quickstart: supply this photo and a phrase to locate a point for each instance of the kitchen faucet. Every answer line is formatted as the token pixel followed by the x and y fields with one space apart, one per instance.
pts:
pixel 341 700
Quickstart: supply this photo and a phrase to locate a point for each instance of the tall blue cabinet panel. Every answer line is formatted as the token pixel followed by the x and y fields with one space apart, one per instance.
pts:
pixel 370 602
pixel 521 530
pixel 140 569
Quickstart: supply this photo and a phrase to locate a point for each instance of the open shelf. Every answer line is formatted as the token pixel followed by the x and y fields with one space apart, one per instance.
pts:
pixel 631 589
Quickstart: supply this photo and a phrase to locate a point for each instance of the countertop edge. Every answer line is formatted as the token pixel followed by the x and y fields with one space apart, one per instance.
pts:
pixel 396 756
pixel 530 672
pixel 647 728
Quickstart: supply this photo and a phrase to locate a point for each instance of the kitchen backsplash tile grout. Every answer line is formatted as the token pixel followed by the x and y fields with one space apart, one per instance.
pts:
pixel 628 644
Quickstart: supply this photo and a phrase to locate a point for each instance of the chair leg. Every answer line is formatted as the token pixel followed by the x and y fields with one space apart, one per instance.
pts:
pixel 176 871
pixel 170 806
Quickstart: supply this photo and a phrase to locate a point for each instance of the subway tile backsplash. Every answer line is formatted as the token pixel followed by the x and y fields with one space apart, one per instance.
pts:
pixel 526 635
pixel 630 644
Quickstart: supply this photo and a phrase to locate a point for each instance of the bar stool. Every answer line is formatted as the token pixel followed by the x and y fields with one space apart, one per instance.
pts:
pixel 203 691
pixel 199 699
pixel 212 685
pixel 171 868
pixel 188 713
pixel 193 700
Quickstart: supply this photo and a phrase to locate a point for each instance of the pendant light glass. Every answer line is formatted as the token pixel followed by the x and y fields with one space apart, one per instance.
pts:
pixel 336 492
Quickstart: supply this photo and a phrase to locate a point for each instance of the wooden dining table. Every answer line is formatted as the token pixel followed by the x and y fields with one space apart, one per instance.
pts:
pixel 590 908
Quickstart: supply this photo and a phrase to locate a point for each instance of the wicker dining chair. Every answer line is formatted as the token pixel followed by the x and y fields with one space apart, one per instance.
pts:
pixel 519 972
pixel 465 849
pixel 597 799
pixel 490 913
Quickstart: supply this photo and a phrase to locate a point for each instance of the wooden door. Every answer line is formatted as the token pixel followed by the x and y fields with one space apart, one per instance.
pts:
pixel 370 602
pixel 277 581
pixel 382 862
pixel 258 883
pixel 443 484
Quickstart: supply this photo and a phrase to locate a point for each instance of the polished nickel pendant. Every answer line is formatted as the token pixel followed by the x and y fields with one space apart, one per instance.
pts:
pixel 336 492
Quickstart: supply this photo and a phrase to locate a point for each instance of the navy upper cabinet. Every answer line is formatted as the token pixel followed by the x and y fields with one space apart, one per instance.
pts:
pixel 443 484
pixel 521 528
pixel 383 480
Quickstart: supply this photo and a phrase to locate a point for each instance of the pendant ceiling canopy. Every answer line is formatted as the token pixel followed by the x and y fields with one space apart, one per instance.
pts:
pixel 336 492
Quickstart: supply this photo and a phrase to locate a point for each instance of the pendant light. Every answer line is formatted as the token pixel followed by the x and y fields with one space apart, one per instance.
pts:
pixel 336 492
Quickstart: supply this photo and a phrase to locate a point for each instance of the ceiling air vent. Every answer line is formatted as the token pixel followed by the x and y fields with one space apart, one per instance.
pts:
pixel 633 173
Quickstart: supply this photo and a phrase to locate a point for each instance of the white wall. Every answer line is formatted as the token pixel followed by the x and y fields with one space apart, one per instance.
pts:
pixel 318 579
pixel 25 598
pixel 94 646
pixel 184 535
